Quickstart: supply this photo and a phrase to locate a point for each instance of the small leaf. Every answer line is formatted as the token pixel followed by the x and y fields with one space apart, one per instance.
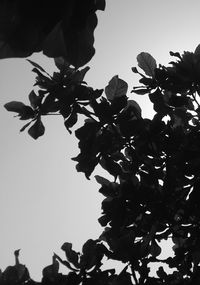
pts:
pixel 147 63
pixel 176 54
pixel 72 256
pixel 155 249
pixel 104 220
pixel 36 65
pixel 134 69
pixel 80 74
pixel 111 166
pixel 50 272
pixel 141 91
pixel 37 129
pixel 34 99
pixel 71 121
pixel 89 257
pixel 116 88
pixel 101 180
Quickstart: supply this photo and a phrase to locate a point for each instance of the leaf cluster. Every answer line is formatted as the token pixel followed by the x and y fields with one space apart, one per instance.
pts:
pixel 155 163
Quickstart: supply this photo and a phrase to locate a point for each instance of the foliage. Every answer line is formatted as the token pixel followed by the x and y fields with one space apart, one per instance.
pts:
pixel 154 163
pixel 58 29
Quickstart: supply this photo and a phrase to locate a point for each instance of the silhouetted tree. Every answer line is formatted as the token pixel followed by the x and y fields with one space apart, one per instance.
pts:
pixel 155 165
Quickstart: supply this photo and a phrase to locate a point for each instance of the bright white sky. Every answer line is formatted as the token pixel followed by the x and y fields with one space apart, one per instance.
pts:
pixel 43 201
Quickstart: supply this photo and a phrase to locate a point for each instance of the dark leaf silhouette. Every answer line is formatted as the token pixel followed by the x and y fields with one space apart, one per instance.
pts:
pixel 37 129
pixel 72 256
pixel 34 100
pixel 140 91
pixel 116 88
pixel 24 112
pixel 155 249
pixel 36 65
pixel 147 63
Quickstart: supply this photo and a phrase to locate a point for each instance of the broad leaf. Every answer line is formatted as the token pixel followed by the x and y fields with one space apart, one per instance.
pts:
pixel 134 108
pixel 25 112
pixel 15 106
pixel 37 129
pixel 147 63
pixel 116 88
pixel 88 259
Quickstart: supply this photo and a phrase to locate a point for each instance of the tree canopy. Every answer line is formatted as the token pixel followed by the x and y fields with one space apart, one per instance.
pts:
pixel 155 163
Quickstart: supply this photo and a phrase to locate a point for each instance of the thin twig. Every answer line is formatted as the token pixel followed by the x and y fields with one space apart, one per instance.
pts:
pixel 134 275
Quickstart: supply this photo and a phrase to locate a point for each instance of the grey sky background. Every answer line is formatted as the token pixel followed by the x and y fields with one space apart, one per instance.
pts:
pixel 44 202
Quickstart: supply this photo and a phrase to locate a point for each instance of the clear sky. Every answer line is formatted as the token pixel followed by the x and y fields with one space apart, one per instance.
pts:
pixel 43 201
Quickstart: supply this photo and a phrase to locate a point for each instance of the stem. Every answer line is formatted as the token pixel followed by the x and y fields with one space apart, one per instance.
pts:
pixel 134 275
pixel 51 114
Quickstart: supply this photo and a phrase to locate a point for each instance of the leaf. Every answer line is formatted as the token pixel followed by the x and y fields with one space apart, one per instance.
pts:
pixel 15 106
pixel 101 180
pixel 34 99
pixel 104 220
pixel 134 69
pixel 89 258
pixel 141 91
pixel 80 74
pixel 37 129
pixel 36 65
pixel 147 63
pixel 86 163
pixel 155 249
pixel 71 121
pixel 25 126
pixel 116 88
pixel 111 166
pixel 25 112
pixel 73 42
pixel 134 108
pixel 176 54
pixel 72 256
